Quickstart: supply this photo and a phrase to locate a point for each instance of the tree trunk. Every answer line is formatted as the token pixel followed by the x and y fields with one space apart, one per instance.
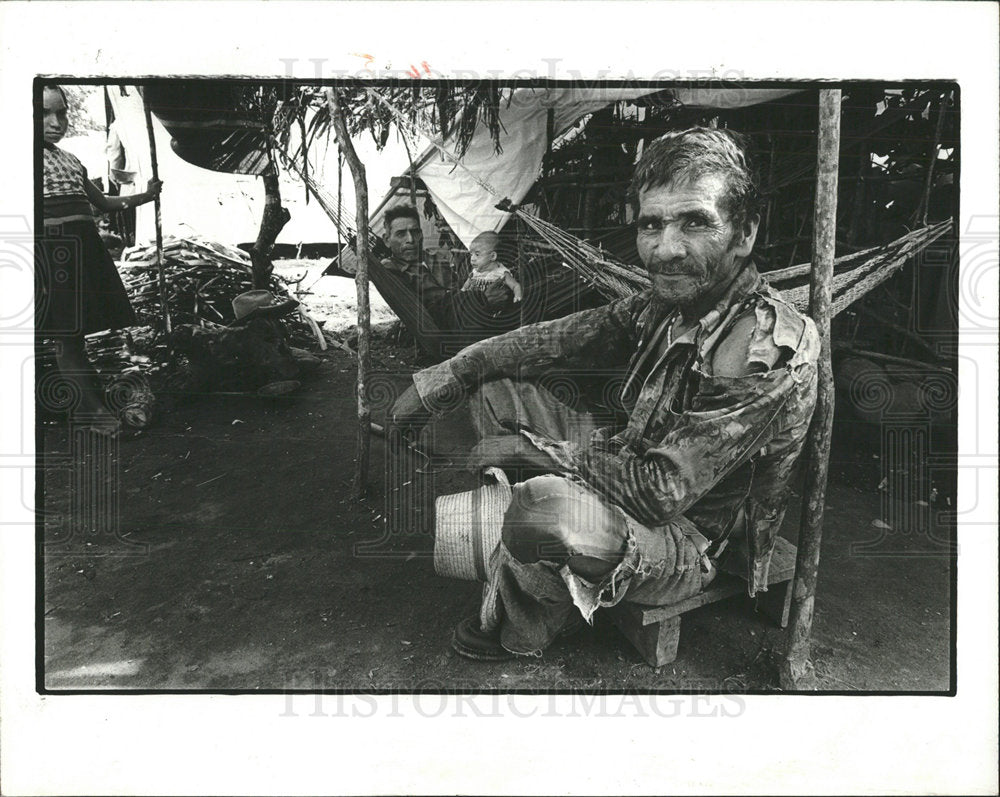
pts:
pixel 272 222
pixel 361 283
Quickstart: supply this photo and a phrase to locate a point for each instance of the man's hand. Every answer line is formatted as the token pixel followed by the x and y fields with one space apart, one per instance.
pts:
pixel 409 412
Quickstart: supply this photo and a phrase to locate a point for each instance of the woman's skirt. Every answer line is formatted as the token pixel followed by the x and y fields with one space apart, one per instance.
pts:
pixel 78 289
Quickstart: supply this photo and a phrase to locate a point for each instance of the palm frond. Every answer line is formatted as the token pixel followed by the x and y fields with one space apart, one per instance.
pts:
pixel 455 110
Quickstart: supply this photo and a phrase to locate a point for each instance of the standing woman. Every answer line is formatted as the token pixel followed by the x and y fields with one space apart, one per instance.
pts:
pixel 81 291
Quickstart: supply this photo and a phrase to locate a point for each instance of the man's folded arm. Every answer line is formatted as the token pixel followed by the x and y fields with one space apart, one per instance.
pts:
pixel 588 339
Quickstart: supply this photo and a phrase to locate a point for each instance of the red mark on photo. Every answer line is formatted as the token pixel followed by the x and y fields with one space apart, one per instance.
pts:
pixel 414 72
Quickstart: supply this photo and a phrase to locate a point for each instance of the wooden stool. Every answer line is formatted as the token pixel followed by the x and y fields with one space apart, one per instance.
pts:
pixel 654 631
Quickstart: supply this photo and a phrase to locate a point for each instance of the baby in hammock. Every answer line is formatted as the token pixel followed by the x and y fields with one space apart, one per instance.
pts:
pixel 489 275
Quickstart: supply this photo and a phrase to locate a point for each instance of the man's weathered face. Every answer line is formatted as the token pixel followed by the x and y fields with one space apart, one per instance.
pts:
pixel 406 239
pixel 687 242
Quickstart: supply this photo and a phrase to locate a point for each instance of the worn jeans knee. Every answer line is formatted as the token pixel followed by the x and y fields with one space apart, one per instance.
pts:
pixel 556 520
pixel 668 563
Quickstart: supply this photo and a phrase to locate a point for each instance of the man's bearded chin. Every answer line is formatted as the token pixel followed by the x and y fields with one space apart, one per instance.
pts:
pixel 681 291
pixel 678 291
pixel 692 291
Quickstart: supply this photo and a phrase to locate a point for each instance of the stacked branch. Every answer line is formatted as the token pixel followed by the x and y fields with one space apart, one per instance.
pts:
pixel 202 278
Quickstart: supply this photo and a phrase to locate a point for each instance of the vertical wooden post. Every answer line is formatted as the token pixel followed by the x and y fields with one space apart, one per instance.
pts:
pixel 770 194
pixel 340 204
pixel 161 282
pixel 361 283
pixel 550 134
pixel 920 214
pixel 795 666
pixel 108 111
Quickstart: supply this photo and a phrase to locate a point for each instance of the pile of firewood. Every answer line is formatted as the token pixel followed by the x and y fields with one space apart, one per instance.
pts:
pixel 201 277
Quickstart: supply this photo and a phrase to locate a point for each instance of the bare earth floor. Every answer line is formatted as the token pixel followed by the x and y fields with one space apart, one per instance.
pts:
pixel 239 561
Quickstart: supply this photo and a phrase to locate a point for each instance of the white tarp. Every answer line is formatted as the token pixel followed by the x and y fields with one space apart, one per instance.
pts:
pixel 464 203
pixel 228 207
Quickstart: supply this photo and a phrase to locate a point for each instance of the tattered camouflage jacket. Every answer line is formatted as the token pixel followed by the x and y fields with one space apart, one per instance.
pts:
pixel 695 444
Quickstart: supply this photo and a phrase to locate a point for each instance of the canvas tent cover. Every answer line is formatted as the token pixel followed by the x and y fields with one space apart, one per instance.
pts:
pixel 193 125
pixel 470 210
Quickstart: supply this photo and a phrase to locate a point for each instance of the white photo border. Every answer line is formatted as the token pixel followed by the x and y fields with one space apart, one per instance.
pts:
pixel 217 744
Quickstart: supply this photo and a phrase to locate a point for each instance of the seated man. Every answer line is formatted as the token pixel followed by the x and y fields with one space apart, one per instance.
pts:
pixel 720 387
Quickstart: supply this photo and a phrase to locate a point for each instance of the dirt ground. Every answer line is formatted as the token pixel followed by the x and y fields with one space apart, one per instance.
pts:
pixel 238 560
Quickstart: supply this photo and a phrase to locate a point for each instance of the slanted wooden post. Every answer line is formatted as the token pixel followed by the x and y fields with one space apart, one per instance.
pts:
pixel 795 667
pixel 361 284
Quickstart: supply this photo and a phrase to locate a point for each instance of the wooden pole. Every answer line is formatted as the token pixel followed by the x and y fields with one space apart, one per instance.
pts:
pixel 920 214
pixel 413 172
pixel 361 283
pixel 161 281
pixel 550 134
pixel 340 203
pixel 795 667
pixel 108 110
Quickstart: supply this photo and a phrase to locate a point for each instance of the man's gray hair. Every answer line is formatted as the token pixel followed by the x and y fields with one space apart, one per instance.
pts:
pixel 400 212
pixel 689 154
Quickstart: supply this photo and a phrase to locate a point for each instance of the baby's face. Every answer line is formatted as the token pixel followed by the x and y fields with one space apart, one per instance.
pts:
pixel 481 255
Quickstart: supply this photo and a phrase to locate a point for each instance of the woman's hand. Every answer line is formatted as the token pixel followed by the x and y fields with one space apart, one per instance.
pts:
pixel 110 204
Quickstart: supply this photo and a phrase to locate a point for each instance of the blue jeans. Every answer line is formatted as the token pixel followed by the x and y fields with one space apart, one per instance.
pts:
pixel 566 552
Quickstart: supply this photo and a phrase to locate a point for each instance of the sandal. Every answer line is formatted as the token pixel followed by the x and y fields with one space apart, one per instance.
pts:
pixel 473 643
pixel 573 626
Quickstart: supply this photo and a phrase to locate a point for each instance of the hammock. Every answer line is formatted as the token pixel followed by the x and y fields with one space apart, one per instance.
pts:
pixel 858 273
pixel 854 275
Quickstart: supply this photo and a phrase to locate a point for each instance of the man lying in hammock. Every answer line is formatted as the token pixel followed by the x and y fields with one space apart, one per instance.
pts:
pixel 446 316
pixel 720 386
pixel 432 281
